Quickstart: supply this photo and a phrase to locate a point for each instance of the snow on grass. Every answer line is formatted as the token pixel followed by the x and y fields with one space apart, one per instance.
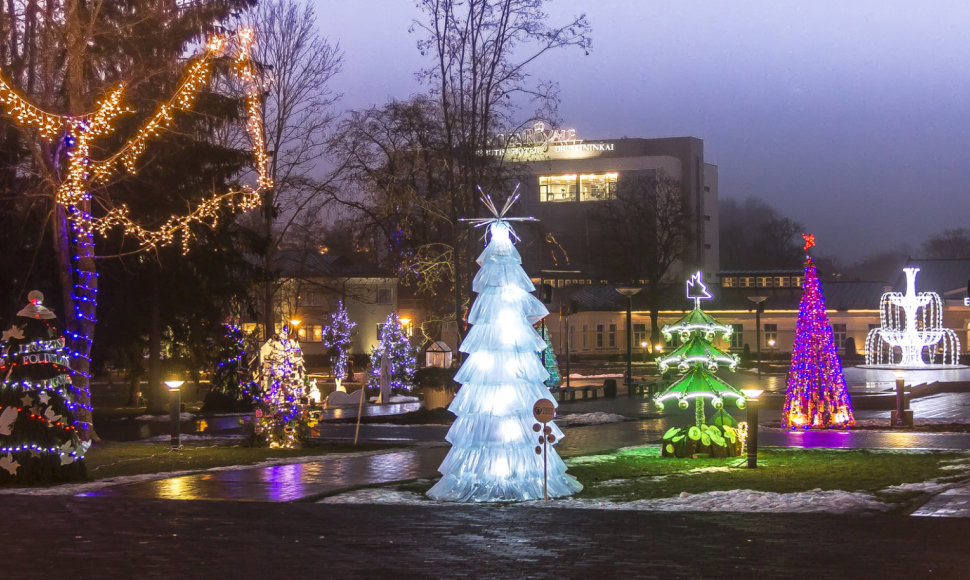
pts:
pixel 184 416
pixel 397 399
pixel 598 418
pixel 741 500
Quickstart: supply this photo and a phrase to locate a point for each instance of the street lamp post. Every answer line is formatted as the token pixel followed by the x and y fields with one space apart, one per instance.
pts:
pixel 751 400
pixel 759 302
pixel 174 410
pixel 902 416
pixel 629 291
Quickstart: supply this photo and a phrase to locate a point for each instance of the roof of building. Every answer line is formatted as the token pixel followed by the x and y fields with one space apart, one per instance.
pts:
pixel 838 296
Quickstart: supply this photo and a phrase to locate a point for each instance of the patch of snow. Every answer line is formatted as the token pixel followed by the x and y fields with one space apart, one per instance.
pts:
pixel 185 416
pixel 713 469
pixel 739 500
pixel 380 496
pixel 597 418
pixel 931 486
pixel 397 399
pixel 607 376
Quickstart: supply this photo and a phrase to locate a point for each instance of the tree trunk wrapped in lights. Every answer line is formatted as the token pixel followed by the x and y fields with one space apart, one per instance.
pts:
pixel 493 455
pixel 816 396
pixel 698 359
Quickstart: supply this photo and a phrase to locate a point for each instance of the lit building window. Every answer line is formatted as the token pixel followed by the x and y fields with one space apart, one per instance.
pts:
pixel 764 281
pixel 747 281
pixel 597 186
pixel 728 282
pixel 639 333
pixel 771 335
pixel 557 188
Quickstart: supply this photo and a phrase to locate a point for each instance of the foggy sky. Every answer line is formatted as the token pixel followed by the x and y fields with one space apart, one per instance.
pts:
pixel 850 117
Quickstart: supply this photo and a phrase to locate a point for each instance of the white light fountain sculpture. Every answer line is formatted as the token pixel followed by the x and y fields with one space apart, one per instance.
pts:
pixel 908 324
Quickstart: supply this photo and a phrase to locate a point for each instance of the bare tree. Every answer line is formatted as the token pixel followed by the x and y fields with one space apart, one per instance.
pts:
pixel 298 67
pixel 951 244
pixel 480 52
pixel 754 235
pixel 645 230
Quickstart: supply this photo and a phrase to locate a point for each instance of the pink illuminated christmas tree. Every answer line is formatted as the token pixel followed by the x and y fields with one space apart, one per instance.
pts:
pixel 816 396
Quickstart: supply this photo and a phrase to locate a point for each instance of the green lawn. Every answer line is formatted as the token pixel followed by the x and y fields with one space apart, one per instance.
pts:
pixel 112 459
pixel 641 473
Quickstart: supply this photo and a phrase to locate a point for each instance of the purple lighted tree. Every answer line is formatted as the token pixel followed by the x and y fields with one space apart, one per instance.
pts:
pixel 816 396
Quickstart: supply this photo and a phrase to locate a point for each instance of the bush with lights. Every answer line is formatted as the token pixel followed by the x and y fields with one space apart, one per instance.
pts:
pixel 233 388
pixel 493 455
pixel 697 360
pixel 336 339
pixel 281 417
pixel 400 355
pixel 38 404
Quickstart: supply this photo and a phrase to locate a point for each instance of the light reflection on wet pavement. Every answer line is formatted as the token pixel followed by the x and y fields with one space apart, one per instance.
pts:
pixel 293 482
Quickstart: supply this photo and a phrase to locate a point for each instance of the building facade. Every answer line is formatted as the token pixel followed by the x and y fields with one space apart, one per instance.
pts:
pixel 565 181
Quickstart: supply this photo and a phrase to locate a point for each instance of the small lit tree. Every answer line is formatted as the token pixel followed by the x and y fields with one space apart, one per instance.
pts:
pixel 38 404
pixel 233 388
pixel 336 339
pixel 400 355
pixel 280 417
pixel 549 359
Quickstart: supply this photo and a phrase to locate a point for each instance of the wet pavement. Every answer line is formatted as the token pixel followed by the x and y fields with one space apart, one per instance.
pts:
pixel 112 537
pixel 331 474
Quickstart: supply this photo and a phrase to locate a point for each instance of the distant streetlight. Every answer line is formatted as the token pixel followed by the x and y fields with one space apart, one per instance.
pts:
pixel 405 322
pixel 759 302
pixel 629 291
pixel 751 400
pixel 174 410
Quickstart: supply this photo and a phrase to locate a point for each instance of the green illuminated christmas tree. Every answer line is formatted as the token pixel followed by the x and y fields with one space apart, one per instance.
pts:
pixel 697 360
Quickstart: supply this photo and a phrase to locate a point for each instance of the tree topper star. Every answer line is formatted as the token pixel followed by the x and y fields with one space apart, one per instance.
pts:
pixel 499 216
pixel 809 240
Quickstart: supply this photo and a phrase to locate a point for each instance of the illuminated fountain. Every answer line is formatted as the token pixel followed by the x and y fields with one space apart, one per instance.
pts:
pixel 910 323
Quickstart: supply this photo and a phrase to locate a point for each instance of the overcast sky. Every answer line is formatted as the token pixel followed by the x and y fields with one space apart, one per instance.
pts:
pixel 851 117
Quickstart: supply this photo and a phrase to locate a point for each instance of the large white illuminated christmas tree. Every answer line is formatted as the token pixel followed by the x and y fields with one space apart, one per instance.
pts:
pixel 493 455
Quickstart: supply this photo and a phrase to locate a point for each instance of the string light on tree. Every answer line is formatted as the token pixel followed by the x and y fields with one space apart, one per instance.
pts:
pixel 816 396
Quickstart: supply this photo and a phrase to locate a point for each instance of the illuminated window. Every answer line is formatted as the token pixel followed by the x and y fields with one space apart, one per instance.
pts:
pixel 557 188
pixel 310 333
pixel 764 281
pixel 639 333
pixel 771 335
pixel 728 282
pixel 597 186
pixel 747 281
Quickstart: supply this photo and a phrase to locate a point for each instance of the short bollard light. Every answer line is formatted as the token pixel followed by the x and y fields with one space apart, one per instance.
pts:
pixel 751 400
pixel 174 409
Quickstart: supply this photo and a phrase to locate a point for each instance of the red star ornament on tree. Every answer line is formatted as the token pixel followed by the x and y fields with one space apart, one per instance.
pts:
pixel 809 240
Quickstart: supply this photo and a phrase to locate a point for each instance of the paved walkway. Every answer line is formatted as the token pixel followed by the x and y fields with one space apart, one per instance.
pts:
pixel 112 538
pixel 307 481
